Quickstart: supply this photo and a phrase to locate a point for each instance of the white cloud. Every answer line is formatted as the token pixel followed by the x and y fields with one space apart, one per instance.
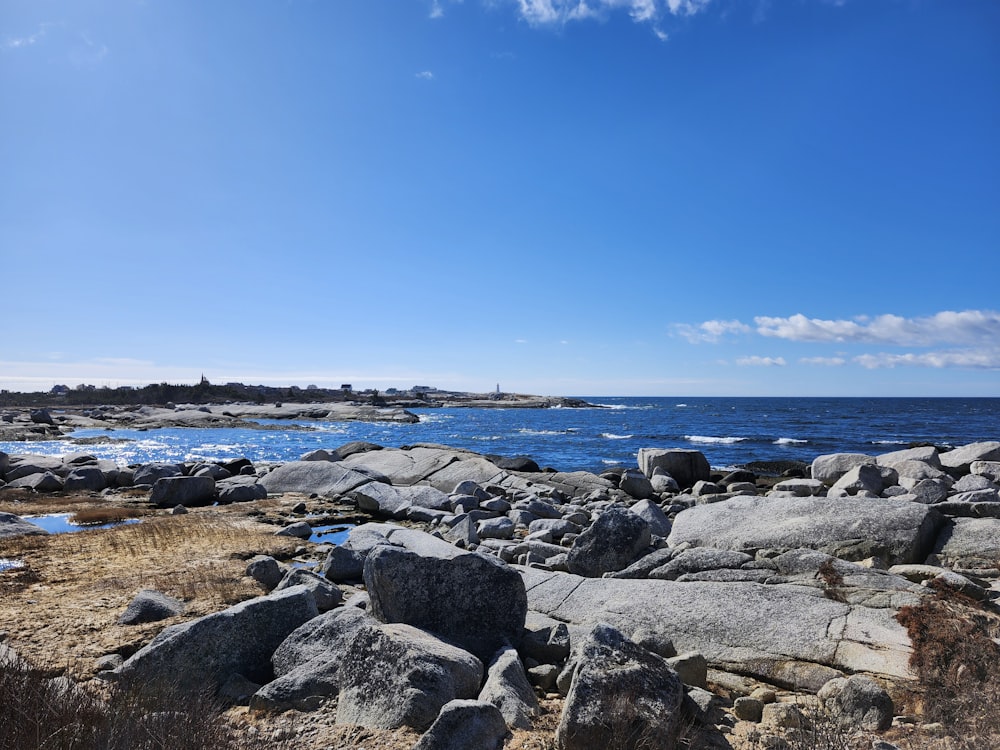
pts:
pixel 823 361
pixel 756 361
pixel 12 43
pixel 436 10
pixel 520 341
pixel 547 12
pixel 977 359
pixel 969 326
pixel 711 330
pixel 425 75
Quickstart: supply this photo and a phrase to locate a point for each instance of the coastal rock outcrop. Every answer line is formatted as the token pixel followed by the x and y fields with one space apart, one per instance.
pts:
pixel 239 640
pixel 849 528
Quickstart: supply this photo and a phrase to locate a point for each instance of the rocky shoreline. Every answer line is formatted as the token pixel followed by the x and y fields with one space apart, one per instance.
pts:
pixel 661 603
pixel 38 424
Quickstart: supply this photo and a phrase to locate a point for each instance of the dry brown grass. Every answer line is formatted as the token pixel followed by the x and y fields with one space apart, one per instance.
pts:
pixel 99 516
pixel 61 609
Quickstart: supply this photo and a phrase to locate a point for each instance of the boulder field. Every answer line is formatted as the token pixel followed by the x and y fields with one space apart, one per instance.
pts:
pixel 627 593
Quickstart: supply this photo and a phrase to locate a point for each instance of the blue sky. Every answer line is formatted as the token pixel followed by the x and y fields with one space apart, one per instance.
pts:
pixel 610 197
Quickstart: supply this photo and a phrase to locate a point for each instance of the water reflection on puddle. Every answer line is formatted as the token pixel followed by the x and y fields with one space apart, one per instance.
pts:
pixel 59 523
pixel 6 564
pixel 336 534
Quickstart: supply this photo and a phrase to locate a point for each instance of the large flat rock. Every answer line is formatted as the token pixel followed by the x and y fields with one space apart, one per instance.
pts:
pixel 787 634
pixel 849 528
pixel 326 478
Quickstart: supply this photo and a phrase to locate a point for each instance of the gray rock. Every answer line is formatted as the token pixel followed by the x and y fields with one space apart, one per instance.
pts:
pixel 265 570
pixel 849 528
pixel 746 708
pixel 465 725
pixel 659 524
pixel 396 675
pixel 205 651
pixel 239 489
pixel 11 525
pixel 463 533
pixel 472 600
pixel 988 469
pixel 320 454
pixel 211 470
pixel 926 455
pixel 961 459
pixel 800 487
pixel 621 696
pixel 394 502
pixel 685 466
pixel 786 715
pixel 88 478
pixel 495 528
pixel 974 483
pixel 612 543
pixel 326 595
pixel 342 564
pixel 646 564
pixel 929 491
pixel 307 663
pixel 735 625
pixel 691 668
pixel 150 606
pixel 508 689
pixel 857 702
pixel 557 527
pixel 545 640
pixel 170 491
pixel 150 473
pixel 298 529
pixel 237 690
pixel 831 467
pixel 44 482
pixel 698 559
pixel 969 543
pixel 41 416
pixel 862 477
pixel 636 484
pixel 26 465
pixel 324 478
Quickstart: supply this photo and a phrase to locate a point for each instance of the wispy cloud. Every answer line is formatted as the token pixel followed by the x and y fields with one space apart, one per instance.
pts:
pixel 823 361
pixel 756 361
pixel 977 359
pixel 425 75
pixel 437 11
pixel 21 42
pixel 710 331
pixel 557 12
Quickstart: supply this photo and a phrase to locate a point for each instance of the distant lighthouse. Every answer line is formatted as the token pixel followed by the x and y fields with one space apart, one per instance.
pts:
pixel 498 388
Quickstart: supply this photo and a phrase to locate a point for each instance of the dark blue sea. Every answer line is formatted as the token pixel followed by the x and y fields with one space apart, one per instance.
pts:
pixel 729 431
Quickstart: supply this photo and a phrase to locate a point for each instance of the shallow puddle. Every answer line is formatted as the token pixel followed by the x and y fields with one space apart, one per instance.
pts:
pixel 6 564
pixel 336 534
pixel 59 523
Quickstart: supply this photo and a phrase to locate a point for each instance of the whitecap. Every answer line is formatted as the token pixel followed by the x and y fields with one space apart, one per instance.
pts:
pixel 890 442
pixel 789 441
pixel 709 439
pixel 612 436
pixel 680 406
pixel 526 431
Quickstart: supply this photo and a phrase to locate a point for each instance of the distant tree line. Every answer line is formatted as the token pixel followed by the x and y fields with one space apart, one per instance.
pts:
pixel 158 394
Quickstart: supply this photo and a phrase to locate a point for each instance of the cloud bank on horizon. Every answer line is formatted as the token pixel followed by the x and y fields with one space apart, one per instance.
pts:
pixel 972 338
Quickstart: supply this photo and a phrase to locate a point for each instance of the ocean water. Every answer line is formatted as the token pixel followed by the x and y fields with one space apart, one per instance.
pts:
pixel 729 431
